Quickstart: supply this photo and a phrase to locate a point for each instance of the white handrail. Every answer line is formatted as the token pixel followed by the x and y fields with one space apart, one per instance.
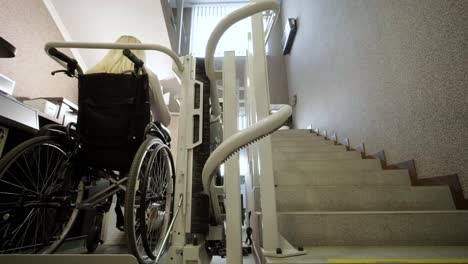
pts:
pixel 229 20
pixel 104 45
pixel 241 139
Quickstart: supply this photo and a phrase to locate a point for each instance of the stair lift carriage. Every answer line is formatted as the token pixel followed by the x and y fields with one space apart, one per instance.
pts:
pixel 172 214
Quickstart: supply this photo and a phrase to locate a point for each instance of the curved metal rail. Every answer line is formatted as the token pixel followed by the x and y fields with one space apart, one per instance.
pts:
pixel 259 130
pixel 240 140
pixel 219 30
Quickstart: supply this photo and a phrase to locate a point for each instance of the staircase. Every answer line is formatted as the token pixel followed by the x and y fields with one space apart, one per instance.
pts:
pixel 344 209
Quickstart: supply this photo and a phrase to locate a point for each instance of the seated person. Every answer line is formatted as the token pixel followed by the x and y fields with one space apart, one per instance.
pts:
pixel 116 62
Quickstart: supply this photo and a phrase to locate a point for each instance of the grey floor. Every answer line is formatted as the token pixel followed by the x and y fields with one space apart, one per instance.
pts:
pixel 116 243
pixel 77 247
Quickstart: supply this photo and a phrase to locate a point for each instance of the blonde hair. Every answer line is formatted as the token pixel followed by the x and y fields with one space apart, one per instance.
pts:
pixel 115 61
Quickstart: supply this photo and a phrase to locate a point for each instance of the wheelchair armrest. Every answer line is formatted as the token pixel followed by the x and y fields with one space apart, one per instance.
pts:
pixel 52 130
pixel 166 132
pixel 158 130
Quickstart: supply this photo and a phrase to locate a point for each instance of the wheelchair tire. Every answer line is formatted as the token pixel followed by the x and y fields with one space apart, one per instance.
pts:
pixel 94 234
pixel 92 239
pixel 37 195
pixel 149 199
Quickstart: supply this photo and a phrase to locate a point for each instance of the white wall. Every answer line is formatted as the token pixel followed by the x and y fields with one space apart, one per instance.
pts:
pixel 106 20
pixel 390 73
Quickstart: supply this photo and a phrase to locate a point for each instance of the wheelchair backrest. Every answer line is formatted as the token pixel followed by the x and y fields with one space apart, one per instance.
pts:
pixel 113 113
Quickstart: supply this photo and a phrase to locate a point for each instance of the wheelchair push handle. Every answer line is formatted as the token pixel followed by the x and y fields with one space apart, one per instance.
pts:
pixel 72 64
pixel 138 63
pixel 61 56
pixel 119 46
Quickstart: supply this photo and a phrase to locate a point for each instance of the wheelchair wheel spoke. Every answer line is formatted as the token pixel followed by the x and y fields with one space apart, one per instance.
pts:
pixel 33 175
pixel 27 172
pixel 150 204
pixel 19 187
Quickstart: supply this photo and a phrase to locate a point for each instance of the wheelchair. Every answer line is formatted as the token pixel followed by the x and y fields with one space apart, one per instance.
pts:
pixel 45 181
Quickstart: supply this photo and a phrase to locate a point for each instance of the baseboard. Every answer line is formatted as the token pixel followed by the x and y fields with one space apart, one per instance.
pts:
pixel 361 148
pixel 452 180
pixel 380 156
pixel 345 142
pixel 409 165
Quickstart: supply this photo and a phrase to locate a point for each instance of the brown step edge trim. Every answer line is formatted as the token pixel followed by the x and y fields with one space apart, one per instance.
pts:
pixel 361 148
pixel 323 133
pixel 380 156
pixel 344 142
pixel 409 165
pixel 452 181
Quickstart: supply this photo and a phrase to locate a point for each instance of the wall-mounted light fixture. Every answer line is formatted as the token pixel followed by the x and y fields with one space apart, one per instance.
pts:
pixel 289 34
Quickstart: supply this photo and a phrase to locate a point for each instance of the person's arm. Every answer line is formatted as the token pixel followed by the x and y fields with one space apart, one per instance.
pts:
pixel 158 107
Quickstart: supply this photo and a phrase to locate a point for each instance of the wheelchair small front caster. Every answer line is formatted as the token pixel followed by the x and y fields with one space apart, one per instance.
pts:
pixel 94 234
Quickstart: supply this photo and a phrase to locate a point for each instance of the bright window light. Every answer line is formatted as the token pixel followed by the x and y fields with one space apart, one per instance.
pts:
pixel 204 19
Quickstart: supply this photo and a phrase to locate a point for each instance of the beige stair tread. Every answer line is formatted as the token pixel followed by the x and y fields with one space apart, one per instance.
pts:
pixel 372 254
pixel 362 178
pixel 309 149
pixel 301 143
pixel 306 167
pixel 300 137
pixel 361 198
pixel 377 228
pixel 292 131
pixel 338 155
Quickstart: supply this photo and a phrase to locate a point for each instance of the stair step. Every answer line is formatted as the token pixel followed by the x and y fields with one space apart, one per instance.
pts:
pixel 360 178
pixel 397 228
pixel 294 132
pixel 361 198
pixel 309 149
pixel 301 156
pixel 373 254
pixel 301 143
pixel 300 137
pixel 284 168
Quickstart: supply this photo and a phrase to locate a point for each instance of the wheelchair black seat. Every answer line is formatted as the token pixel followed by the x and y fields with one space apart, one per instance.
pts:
pixel 113 113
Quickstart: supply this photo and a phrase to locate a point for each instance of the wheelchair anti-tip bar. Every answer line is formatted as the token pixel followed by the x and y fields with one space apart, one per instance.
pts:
pixel 225 23
pixel 120 46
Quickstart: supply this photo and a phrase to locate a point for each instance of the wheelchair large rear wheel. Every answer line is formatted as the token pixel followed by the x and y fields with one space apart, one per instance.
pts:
pixel 37 197
pixel 149 199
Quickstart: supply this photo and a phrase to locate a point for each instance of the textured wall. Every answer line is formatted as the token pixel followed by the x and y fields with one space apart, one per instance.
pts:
pixel 390 73
pixel 28 26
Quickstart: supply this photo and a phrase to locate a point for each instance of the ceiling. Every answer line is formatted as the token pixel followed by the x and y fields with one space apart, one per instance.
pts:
pixel 106 20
